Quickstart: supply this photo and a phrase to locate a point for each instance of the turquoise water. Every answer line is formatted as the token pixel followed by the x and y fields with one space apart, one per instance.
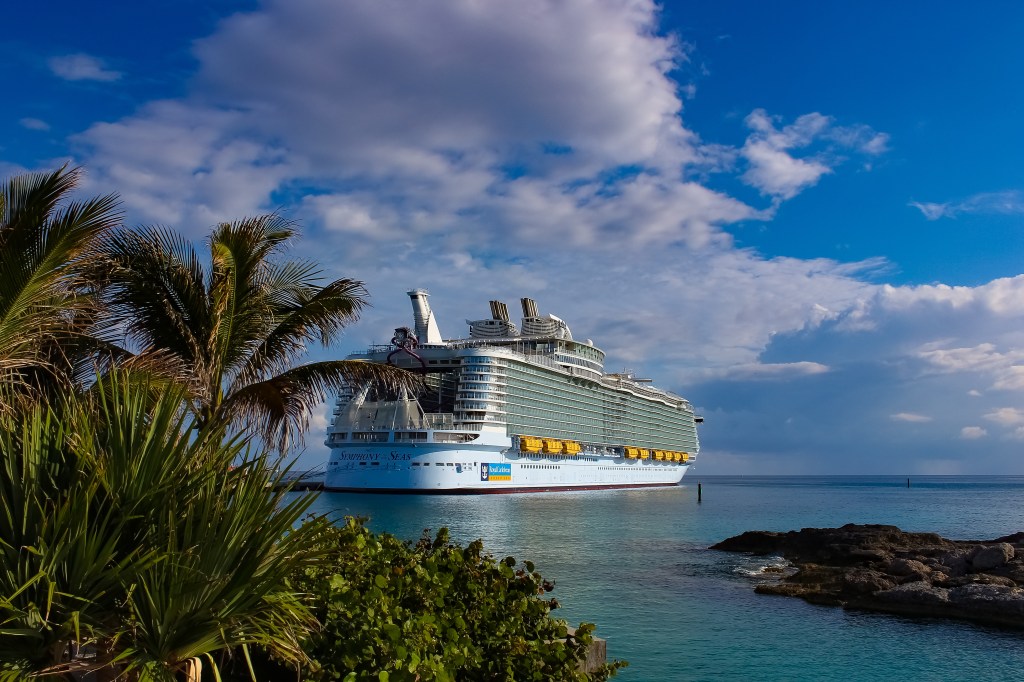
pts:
pixel 636 563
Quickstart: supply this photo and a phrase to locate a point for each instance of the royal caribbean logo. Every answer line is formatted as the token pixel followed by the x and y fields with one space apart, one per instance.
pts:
pixel 495 472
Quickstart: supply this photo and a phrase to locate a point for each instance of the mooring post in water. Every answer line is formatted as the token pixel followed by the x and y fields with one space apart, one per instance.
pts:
pixel 698 491
pixel 908 482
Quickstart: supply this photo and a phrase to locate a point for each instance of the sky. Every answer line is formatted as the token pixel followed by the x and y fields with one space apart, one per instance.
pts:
pixel 805 217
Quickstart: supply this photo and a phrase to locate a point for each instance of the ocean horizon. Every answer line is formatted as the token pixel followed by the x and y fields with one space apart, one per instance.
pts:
pixel 637 563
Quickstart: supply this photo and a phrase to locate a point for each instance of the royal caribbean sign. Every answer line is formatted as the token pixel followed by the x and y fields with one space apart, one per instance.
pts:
pixel 495 472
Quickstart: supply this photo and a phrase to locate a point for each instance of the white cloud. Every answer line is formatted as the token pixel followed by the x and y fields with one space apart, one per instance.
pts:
pixel 1007 416
pixel 766 371
pixel 450 76
pixel 180 164
pixel 983 357
pixel 910 417
pixel 972 432
pixel 886 348
pixel 82 67
pixel 1010 202
pixel 34 124
pixel 774 170
pixel 931 211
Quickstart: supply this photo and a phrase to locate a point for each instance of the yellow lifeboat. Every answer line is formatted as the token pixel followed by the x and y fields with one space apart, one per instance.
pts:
pixel 686 457
pixel 645 454
pixel 632 453
pixel 552 446
pixel 529 444
pixel 571 447
pixel 677 457
pixel 659 455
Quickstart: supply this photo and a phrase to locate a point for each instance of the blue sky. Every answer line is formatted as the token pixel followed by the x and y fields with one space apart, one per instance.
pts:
pixel 806 217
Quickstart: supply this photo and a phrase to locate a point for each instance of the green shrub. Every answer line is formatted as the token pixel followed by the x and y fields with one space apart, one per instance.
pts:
pixel 432 610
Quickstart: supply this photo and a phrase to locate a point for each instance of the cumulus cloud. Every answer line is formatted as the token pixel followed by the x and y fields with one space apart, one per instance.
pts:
pixel 775 171
pixel 82 67
pixel 889 347
pixel 525 145
pixel 972 432
pixel 983 357
pixel 531 119
pixel 1007 416
pixel 1010 202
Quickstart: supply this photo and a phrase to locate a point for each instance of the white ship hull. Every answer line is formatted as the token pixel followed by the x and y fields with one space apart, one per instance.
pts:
pixel 479 468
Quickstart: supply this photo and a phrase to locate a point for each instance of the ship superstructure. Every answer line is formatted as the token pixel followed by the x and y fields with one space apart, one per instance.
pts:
pixel 507 409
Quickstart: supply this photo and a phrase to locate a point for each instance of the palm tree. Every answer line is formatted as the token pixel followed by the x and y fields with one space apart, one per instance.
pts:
pixel 233 328
pixel 47 306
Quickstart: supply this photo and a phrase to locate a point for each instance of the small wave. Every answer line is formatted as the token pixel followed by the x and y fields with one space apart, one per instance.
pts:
pixel 774 566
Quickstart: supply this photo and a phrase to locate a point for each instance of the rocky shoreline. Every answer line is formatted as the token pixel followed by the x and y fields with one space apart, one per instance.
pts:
pixel 882 568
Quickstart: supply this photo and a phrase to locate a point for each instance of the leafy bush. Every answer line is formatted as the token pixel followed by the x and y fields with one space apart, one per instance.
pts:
pixel 125 531
pixel 432 610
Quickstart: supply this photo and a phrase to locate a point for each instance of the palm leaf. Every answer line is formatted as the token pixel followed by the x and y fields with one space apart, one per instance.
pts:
pixel 277 409
pixel 47 305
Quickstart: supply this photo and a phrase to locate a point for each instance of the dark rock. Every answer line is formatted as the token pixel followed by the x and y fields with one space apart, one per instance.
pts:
pixel 917 593
pixel 867 582
pixel 992 556
pixel 1015 539
pixel 908 568
pixel 883 568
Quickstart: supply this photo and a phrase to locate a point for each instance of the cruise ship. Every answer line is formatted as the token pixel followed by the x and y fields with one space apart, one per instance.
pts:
pixel 509 408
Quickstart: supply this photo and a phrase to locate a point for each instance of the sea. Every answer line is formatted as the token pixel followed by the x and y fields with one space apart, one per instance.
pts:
pixel 637 563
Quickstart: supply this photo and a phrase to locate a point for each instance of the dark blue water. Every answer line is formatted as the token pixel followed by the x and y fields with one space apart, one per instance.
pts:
pixel 637 564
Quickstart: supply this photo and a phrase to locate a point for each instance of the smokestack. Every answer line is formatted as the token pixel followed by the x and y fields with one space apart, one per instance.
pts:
pixel 499 311
pixel 529 307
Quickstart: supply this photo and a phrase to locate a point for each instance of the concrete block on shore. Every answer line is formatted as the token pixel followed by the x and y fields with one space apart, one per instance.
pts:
pixel 597 654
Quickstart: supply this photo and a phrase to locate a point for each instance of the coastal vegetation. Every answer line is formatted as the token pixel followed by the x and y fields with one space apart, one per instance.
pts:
pixel 147 393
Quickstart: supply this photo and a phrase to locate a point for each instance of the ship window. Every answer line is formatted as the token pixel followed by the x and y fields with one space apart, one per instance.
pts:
pixel 370 436
pixel 376 464
pixel 362 464
pixel 415 464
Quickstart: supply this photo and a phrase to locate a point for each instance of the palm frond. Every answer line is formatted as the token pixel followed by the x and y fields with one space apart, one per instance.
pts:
pixel 278 408
pixel 46 301
pixel 155 294
pixel 311 314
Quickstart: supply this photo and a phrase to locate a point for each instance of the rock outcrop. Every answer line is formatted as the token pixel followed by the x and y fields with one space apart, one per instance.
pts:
pixel 882 568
